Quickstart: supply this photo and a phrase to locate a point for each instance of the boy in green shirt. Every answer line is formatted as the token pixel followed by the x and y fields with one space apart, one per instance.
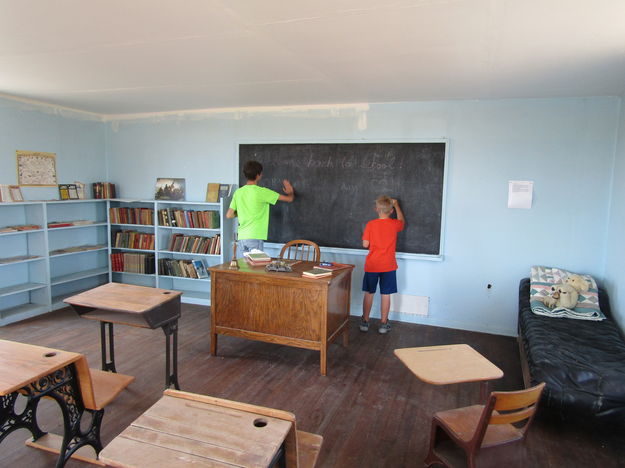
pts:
pixel 250 204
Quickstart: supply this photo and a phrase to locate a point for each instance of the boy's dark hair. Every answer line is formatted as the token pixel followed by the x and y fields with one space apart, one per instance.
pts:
pixel 251 169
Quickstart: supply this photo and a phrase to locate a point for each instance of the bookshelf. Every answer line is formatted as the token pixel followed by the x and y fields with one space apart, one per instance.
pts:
pixel 192 223
pixel 55 249
pixel 41 265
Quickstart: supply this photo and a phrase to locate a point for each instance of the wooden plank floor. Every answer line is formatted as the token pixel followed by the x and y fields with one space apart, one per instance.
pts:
pixel 371 411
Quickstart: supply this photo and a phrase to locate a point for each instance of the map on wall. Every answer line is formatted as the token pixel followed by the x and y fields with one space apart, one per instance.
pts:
pixel 36 168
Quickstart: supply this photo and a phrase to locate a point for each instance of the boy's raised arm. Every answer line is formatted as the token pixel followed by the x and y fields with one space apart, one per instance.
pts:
pixel 400 213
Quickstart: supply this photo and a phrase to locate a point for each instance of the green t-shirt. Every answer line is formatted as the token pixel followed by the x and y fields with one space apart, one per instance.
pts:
pixel 251 203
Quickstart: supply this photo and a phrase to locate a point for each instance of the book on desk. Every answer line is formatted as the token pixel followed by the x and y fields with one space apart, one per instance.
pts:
pixel 332 266
pixel 257 257
pixel 316 273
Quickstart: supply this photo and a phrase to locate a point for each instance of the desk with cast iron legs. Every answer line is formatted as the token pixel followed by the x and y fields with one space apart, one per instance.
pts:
pixel 35 372
pixel 136 306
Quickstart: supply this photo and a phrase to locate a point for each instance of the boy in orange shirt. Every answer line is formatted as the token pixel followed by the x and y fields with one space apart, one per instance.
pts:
pixel 380 237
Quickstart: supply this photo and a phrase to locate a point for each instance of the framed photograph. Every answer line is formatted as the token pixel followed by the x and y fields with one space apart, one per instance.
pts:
pixel 169 189
pixel 64 191
pixel 35 168
pixel 200 269
pixel 16 193
pixel 73 191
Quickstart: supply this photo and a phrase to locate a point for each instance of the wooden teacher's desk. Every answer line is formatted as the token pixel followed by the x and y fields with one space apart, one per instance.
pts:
pixel 282 308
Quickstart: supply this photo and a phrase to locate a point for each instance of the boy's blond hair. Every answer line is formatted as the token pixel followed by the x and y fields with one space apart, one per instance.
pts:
pixel 384 204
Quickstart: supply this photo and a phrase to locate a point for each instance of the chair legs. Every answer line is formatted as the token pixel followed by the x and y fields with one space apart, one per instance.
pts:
pixel 438 435
pixel 432 458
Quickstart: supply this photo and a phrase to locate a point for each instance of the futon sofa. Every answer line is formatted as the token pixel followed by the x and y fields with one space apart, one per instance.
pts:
pixel 582 362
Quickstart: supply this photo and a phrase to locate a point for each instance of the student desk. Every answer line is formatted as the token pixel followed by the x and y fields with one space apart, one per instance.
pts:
pixel 282 308
pixel 36 372
pixel 449 364
pixel 183 429
pixel 136 306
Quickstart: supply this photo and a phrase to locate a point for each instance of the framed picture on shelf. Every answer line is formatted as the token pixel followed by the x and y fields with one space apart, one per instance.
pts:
pixel 80 188
pixel 200 269
pixel 64 191
pixel 212 192
pixel 36 168
pixel 16 193
pixel 73 191
pixel 169 189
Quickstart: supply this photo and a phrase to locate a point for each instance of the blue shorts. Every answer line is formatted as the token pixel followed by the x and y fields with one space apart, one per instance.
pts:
pixel 388 282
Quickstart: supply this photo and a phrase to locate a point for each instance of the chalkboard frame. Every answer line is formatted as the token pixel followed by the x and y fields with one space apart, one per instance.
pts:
pixel 363 252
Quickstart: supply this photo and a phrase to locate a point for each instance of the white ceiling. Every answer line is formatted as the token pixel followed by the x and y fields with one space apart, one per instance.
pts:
pixel 136 56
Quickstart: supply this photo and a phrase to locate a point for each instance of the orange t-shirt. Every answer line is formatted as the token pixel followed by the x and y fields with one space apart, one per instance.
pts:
pixel 382 237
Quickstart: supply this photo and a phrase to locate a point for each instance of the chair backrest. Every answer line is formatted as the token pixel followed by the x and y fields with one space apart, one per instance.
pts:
pixel 98 388
pixel 509 408
pixel 301 249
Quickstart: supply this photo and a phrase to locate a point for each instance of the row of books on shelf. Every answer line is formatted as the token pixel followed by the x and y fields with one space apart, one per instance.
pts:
pixel 76 222
pixel 104 190
pixel 189 218
pixel 133 240
pixel 22 227
pixel 195 244
pixel 77 248
pixel 131 216
pixel 183 268
pixel 133 263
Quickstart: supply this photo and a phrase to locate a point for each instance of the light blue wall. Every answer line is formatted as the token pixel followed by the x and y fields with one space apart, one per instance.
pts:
pixel 614 271
pixel 77 139
pixel 566 146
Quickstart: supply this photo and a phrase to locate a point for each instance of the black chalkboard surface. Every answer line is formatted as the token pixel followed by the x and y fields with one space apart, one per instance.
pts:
pixel 336 185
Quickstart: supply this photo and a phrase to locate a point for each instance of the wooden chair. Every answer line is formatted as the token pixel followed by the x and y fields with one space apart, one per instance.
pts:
pixel 301 448
pixel 301 249
pixel 474 429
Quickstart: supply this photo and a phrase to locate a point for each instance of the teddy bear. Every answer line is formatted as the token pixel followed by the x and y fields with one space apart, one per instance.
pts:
pixel 579 283
pixel 562 296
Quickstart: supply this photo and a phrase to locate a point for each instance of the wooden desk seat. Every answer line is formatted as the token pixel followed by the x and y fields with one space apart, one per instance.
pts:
pixel 308 448
pixel 301 448
pixel 97 388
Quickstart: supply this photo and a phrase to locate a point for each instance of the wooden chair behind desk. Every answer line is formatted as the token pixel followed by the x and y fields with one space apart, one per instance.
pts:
pixel 475 429
pixel 97 389
pixel 301 448
pixel 301 249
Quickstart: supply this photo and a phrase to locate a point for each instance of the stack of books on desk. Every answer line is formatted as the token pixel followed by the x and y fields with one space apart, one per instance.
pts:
pixel 257 257
pixel 316 273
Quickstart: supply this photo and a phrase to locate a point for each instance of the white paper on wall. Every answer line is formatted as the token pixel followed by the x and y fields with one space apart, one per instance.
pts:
pixel 520 194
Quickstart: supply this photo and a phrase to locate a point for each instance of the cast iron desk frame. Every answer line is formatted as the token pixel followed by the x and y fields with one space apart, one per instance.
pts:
pixel 59 382
pixel 164 315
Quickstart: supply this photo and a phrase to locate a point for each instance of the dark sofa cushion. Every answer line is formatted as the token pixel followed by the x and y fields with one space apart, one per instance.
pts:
pixel 582 362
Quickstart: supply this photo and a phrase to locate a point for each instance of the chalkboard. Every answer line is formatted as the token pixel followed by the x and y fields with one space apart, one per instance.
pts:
pixel 336 185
